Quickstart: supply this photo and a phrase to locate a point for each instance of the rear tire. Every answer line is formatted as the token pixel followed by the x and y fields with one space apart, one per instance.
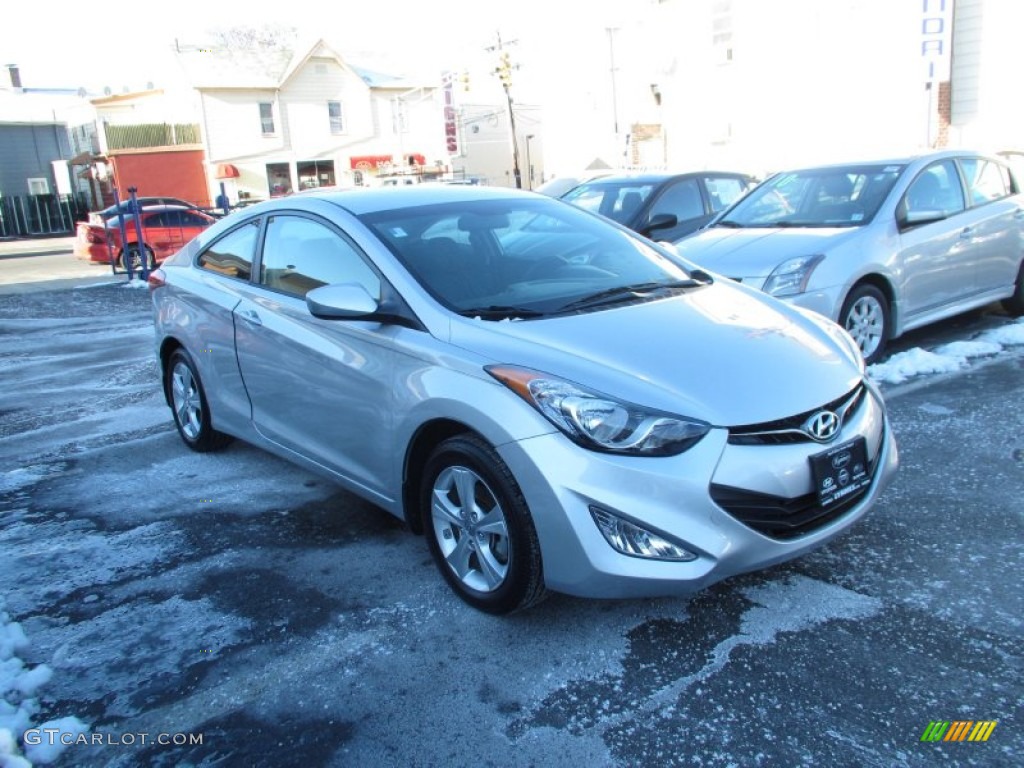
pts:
pixel 865 315
pixel 188 404
pixel 131 254
pixel 479 528
pixel 1015 304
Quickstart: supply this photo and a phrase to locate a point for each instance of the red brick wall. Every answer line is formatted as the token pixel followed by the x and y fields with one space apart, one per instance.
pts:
pixel 944 110
pixel 175 174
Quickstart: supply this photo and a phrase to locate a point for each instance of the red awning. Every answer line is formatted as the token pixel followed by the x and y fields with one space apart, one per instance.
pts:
pixel 366 162
pixel 416 159
pixel 226 171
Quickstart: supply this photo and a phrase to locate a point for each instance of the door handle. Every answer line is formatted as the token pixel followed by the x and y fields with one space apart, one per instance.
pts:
pixel 967 233
pixel 250 316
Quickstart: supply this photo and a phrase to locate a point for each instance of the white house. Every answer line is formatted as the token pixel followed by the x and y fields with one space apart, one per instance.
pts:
pixel 276 121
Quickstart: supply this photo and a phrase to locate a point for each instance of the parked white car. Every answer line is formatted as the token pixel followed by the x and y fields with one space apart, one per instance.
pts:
pixel 881 247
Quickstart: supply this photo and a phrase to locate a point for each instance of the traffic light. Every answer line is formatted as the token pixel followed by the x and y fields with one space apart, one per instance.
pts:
pixel 464 80
pixel 505 69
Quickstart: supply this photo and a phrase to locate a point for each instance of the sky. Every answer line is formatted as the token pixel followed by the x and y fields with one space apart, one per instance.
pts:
pixel 56 44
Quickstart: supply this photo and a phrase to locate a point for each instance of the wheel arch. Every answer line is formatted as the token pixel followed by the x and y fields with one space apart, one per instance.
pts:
pixel 882 283
pixel 427 437
pixel 167 348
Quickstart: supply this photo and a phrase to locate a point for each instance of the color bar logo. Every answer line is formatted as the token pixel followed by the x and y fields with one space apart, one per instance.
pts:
pixel 959 730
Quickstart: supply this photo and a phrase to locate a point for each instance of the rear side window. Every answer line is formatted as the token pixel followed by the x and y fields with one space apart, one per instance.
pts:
pixel 189 219
pixel 300 254
pixel 232 254
pixel 986 180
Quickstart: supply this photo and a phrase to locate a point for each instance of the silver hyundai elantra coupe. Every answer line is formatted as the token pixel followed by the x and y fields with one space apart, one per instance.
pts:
pixel 556 402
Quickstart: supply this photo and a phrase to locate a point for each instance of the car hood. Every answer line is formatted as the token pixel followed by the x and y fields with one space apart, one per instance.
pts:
pixel 722 353
pixel 755 252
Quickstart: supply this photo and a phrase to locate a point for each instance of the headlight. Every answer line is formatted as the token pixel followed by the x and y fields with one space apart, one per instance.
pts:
pixel 600 422
pixel 790 277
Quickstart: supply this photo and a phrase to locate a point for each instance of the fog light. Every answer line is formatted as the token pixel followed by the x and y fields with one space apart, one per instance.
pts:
pixel 630 539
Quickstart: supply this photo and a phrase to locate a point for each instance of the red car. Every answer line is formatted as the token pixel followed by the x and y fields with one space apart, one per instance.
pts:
pixel 165 229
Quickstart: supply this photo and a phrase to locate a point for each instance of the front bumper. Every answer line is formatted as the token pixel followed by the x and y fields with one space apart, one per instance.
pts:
pixel 671 496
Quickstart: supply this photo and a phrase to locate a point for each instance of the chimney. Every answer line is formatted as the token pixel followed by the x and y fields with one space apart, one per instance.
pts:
pixel 12 69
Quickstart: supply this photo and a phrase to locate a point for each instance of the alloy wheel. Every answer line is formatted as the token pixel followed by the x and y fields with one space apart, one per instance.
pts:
pixel 866 323
pixel 470 528
pixel 188 408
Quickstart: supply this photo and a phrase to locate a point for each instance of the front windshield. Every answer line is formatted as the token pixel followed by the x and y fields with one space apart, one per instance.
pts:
pixel 524 257
pixel 840 196
pixel 619 200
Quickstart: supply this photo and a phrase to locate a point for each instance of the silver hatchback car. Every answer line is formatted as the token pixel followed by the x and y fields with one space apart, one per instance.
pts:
pixel 558 403
pixel 880 247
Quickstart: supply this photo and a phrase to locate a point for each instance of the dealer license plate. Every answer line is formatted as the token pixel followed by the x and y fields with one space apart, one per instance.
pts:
pixel 841 471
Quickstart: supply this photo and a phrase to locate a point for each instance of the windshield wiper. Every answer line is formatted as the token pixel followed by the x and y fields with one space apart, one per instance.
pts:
pixel 623 293
pixel 728 223
pixel 499 312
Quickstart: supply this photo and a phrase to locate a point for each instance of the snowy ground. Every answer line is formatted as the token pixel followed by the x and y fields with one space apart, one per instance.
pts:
pixel 150 593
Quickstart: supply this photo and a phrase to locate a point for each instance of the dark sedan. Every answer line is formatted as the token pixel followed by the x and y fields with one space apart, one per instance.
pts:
pixel 664 206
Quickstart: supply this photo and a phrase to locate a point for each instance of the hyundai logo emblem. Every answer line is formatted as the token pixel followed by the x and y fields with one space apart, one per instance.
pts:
pixel 822 426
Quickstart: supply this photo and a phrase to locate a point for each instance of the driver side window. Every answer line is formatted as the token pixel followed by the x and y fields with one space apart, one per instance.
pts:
pixel 937 190
pixel 300 254
pixel 682 199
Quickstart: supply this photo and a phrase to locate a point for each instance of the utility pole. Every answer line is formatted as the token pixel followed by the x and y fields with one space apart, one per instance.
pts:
pixel 504 73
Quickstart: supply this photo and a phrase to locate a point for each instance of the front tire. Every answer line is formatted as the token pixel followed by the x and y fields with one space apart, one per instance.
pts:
pixel 479 528
pixel 865 315
pixel 188 404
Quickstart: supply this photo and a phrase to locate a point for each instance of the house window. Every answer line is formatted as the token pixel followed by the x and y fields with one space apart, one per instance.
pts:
pixel 334 113
pixel 315 173
pixel 279 179
pixel 267 118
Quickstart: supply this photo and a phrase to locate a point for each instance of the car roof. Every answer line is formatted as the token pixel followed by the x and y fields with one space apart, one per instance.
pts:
pixel 907 159
pixel 364 200
pixel 169 207
pixel 657 177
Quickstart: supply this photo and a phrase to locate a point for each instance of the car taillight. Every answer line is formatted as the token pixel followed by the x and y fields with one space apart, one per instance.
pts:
pixel 157 279
pixel 95 235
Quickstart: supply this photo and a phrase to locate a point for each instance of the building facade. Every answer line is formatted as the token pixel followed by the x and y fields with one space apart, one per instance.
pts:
pixel 276 122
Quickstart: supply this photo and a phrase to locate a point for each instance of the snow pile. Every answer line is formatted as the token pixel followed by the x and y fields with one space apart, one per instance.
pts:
pixel 914 362
pixel 947 358
pixel 18 705
pixel 1007 335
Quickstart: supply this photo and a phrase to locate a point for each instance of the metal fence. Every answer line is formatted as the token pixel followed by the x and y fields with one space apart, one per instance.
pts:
pixel 21 216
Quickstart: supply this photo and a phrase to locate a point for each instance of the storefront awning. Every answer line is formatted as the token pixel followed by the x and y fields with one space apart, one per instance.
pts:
pixel 226 171
pixel 368 162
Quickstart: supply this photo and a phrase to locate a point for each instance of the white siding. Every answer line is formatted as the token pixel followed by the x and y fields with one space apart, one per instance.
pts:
pixel 304 101
pixel 232 124
pixel 966 68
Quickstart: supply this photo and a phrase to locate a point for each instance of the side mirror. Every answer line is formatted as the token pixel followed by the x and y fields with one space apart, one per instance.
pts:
pixel 340 302
pixel 659 221
pixel 909 219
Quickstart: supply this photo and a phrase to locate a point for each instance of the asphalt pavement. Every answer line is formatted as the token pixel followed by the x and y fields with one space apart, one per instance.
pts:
pixel 236 597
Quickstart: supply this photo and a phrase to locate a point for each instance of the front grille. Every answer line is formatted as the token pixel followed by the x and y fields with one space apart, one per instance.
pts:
pixel 781 518
pixel 790 430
